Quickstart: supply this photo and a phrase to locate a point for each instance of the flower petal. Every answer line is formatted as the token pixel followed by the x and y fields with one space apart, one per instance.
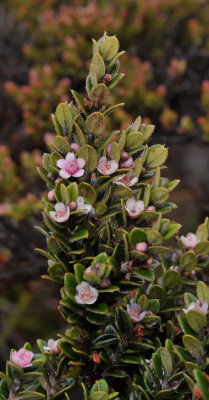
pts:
pixel 79 173
pixel 81 162
pixel 70 156
pixel 64 174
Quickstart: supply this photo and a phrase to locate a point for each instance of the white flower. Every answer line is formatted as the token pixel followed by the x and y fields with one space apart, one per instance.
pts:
pixel 107 167
pixel 134 208
pixel 52 346
pixel 196 305
pixel 135 312
pixel 189 241
pixel 61 213
pixel 126 180
pixel 81 206
pixel 86 294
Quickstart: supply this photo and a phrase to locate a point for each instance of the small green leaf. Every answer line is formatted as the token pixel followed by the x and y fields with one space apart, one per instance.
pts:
pixel 64 117
pixel 99 65
pixel 156 157
pixel 87 192
pixel 79 235
pixel 203 292
pixel 95 123
pixel 89 154
pixel 196 320
pixel 159 195
pixel 188 261
pixel 202 248
pixel 137 235
pixel 194 346
pixel 109 48
pixel 166 360
pixel 172 279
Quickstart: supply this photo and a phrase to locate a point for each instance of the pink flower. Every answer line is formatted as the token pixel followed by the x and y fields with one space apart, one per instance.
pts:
pixel 134 208
pixel 135 312
pixel 127 163
pixel 86 294
pixel 61 213
pixel 196 305
pixel 81 206
pixel 51 195
pixel 126 180
pixel 74 146
pixel 22 358
pixel 107 167
pixel 52 346
pixel 189 241
pixel 71 166
pixel 141 246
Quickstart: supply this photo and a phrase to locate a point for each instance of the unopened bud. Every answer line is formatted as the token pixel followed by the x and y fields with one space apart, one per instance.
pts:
pixel 124 155
pixel 51 195
pixel 74 146
pixel 108 78
pixel 73 205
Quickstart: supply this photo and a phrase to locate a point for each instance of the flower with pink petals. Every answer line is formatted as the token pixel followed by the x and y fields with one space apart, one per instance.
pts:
pixel 126 180
pixel 189 241
pixel 22 358
pixel 127 163
pixel 133 207
pixel 61 213
pixel 86 294
pixel 141 246
pixel 52 346
pixel 71 166
pixel 51 195
pixel 107 167
pixel 81 206
pixel 196 305
pixel 135 312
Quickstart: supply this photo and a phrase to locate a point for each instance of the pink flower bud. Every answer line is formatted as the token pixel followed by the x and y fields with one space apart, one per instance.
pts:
pixel 74 146
pixel 124 155
pixel 129 163
pixel 108 78
pixel 73 205
pixel 142 246
pixel 51 195
pixel 151 208
pixel 22 358
pixel 58 180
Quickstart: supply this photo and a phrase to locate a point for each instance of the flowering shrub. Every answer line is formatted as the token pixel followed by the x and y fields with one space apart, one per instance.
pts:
pixel 136 309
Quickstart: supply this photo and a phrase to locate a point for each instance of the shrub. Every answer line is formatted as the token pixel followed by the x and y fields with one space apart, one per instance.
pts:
pixel 136 307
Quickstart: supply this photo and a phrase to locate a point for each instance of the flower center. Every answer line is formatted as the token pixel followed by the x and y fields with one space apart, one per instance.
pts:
pixel 106 167
pixel 60 213
pixel 72 167
pixel 126 180
pixel 86 295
